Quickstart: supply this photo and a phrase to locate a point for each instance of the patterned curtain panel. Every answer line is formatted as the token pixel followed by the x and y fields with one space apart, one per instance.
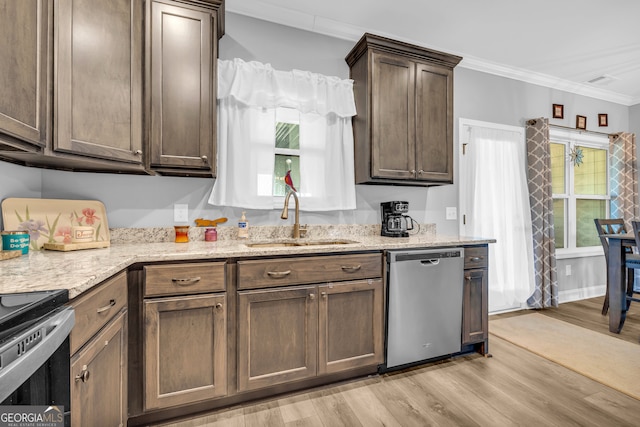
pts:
pixel 540 197
pixel 623 177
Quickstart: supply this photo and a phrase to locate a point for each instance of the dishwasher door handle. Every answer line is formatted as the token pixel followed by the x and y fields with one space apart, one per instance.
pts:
pixel 430 262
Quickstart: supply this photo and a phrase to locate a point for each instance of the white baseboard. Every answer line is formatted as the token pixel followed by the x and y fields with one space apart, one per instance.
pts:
pixel 582 293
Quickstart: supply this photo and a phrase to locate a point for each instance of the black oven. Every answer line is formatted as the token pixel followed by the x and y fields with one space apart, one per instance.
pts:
pixel 34 349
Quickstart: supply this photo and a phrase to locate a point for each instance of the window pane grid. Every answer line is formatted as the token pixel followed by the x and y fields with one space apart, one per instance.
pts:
pixel 580 189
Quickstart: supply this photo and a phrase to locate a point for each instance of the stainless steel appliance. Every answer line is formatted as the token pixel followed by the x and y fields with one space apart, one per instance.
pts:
pixel 34 349
pixel 424 317
pixel 394 221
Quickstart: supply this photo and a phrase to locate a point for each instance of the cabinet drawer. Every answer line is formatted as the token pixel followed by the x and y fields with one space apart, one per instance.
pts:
pixel 476 257
pixel 95 309
pixel 319 269
pixel 184 279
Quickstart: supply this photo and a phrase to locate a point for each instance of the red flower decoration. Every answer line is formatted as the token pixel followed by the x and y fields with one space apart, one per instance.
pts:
pixel 89 216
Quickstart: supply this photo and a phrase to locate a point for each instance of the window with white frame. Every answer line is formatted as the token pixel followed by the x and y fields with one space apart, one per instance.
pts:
pixel 287 150
pixel 580 181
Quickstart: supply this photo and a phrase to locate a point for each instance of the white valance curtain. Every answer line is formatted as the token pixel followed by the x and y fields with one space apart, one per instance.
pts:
pixel 248 95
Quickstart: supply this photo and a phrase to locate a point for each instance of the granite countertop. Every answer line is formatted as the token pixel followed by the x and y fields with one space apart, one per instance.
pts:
pixel 78 271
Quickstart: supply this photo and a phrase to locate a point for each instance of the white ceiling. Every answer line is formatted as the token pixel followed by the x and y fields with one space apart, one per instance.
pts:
pixel 562 44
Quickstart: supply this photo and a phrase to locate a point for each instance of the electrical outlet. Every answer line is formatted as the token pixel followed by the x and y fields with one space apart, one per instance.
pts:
pixel 180 213
pixel 567 270
pixel 452 213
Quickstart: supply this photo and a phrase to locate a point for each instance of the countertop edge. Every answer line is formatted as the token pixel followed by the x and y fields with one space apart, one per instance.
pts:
pixel 80 271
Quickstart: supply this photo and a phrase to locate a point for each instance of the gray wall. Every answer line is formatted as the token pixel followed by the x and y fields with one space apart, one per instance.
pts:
pixel 144 201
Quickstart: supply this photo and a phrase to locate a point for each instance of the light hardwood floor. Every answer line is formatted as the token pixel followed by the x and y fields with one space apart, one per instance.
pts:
pixel 514 387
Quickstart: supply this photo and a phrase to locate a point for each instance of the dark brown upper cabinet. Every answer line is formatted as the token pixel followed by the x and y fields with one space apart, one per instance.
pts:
pixel 181 49
pixel 81 101
pixel 403 131
pixel 123 86
pixel 25 76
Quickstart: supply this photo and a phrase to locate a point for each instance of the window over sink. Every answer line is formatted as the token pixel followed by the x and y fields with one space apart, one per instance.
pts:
pixel 273 121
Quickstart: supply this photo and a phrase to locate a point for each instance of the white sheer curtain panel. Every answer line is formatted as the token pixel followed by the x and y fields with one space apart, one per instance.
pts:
pixel 248 95
pixel 500 209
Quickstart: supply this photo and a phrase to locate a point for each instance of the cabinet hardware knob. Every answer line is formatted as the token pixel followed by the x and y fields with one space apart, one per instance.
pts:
pixel 186 282
pixel 278 274
pixel 84 375
pixel 106 307
pixel 420 172
pixel 467 277
pixel 351 268
pixel 219 305
pixel 324 294
pixel 312 296
pixel 413 171
pixel 138 152
pixel 204 158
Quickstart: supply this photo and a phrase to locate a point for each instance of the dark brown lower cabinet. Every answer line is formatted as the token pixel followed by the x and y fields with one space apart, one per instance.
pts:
pixel 277 336
pixel 185 348
pixel 350 325
pixel 99 378
pixel 475 297
pixel 299 332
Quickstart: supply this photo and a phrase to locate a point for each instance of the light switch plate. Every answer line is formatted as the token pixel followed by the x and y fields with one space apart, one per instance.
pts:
pixel 180 213
pixel 452 213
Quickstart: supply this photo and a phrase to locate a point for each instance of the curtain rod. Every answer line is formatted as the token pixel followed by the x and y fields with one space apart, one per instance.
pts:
pixel 533 122
pixel 581 130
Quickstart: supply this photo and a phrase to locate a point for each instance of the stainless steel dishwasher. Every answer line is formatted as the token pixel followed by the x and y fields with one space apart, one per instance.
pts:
pixel 424 316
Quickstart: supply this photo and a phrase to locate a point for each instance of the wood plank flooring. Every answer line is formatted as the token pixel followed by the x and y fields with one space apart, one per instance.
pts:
pixel 514 387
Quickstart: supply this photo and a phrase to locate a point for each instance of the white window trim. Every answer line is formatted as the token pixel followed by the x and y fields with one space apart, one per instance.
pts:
pixel 571 138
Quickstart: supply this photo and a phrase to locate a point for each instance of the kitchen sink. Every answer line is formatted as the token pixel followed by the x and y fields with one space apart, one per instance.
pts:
pixel 286 243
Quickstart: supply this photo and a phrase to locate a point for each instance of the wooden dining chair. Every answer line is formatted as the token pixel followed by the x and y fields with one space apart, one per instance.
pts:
pixel 611 226
pixel 632 262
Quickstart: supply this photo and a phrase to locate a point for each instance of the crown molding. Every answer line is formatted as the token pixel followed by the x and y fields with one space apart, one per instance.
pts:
pixel 546 80
pixel 341 30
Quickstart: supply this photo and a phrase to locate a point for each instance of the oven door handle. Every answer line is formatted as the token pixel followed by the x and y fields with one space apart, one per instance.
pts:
pixel 54 330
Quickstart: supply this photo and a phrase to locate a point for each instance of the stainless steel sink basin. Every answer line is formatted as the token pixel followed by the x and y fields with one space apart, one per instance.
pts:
pixel 287 243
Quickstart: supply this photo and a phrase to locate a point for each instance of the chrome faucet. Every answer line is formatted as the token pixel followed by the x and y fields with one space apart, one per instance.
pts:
pixel 297 230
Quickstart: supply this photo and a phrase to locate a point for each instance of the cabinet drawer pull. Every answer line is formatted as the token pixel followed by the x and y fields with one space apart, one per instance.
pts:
pixel 351 268
pixel 278 274
pixel 324 294
pixel 83 375
pixel 312 296
pixel 106 307
pixel 186 282
pixel 476 258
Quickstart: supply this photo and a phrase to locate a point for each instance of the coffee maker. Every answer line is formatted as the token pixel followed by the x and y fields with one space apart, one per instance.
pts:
pixel 394 221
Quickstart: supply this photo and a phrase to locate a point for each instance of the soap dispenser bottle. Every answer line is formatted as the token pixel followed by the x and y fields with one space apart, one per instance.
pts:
pixel 243 227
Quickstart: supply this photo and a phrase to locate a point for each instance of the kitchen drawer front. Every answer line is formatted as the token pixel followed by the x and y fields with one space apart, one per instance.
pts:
pixel 184 279
pixel 476 257
pixel 95 309
pixel 318 269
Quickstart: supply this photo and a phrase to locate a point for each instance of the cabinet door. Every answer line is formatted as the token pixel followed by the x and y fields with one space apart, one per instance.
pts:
pixel 393 117
pixel 98 79
pixel 475 307
pixel 350 317
pixel 185 348
pixel 99 378
pixel 434 123
pixel 277 336
pixel 182 87
pixel 24 61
